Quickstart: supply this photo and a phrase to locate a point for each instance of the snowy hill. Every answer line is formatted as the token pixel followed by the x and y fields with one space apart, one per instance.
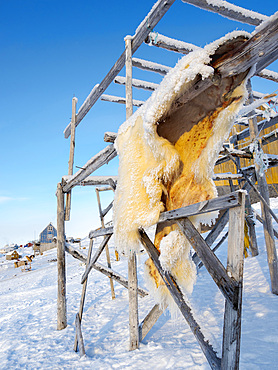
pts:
pixel 29 338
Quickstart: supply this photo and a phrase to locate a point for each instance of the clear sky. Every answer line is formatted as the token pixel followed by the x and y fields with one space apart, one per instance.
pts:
pixel 52 51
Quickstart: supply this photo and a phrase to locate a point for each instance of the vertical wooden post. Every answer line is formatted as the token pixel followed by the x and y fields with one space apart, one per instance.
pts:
pixel 232 317
pixel 106 247
pixel 71 156
pixel 61 264
pixel 268 228
pixel 132 266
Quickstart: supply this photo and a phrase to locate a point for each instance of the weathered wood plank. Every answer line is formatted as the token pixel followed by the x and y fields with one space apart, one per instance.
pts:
pixel 93 180
pixel 269 75
pixel 265 206
pixel 103 157
pixel 230 11
pixel 214 233
pixel 177 295
pixel 215 268
pixel 83 295
pixel 164 42
pixel 61 262
pixel 71 156
pixel 150 66
pixel 110 137
pixel 132 264
pixel 103 269
pixel 261 125
pixel 219 203
pixel 120 100
pixel 79 336
pixel 105 242
pixel 101 232
pixel 259 51
pixel 214 249
pixel 95 258
pixel 260 219
pixel 145 27
pixel 232 316
pixel 139 84
pixel 133 303
pixel 149 321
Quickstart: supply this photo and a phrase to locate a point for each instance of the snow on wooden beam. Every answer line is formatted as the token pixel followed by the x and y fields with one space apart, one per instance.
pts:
pixel 139 84
pixel 150 21
pixel 92 180
pixel 259 51
pixel 269 75
pixel 168 43
pixel 258 95
pixel 103 157
pixel 119 99
pixel 110 137
pixel 261 126
pixel 185 48
pixel 150 66
pixel 230 11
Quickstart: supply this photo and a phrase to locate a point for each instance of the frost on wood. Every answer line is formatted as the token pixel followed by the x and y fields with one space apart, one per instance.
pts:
pixel 157 173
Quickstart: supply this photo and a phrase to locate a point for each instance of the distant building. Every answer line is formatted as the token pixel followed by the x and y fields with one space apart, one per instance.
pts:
pixel 47 235
pixel 13 256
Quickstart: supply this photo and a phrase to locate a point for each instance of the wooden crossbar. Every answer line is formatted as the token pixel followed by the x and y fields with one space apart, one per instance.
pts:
pixel 104 156
pixel 230 11
pixel 103 269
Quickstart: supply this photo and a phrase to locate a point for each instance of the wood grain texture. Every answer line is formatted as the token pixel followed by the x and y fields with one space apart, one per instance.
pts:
pixel 177 295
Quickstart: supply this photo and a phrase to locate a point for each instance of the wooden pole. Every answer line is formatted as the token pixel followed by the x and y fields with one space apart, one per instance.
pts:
pixel 232 316
pixel 268 228
pixel 81 306
pixel 61 264
pixel 132 266
pixel 106 245
pixel 71 156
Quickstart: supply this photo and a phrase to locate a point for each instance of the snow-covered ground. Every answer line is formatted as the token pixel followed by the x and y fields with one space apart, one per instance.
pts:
pixel 29 338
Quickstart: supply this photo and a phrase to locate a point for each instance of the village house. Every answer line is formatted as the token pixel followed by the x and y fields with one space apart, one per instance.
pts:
pixel 48 238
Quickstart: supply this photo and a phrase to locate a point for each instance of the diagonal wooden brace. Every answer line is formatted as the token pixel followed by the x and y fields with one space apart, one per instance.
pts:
pixel 227 285
pixel 177 295
pixel 95 257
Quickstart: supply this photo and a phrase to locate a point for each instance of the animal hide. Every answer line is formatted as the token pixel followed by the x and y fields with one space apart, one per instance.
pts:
pixel 167 151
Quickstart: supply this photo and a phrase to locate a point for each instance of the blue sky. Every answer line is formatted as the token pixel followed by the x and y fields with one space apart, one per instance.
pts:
pixel 52 51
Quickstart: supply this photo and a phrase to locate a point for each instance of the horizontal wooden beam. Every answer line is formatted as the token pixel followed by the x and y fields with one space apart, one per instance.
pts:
pixel 103 157
pixel 93 180
pixel 227 176
pixel 103 269
pixel 219 203
pixel 261 126
pixel 139 84
pixel 269 75
pixel 120 100
pixel 258 52
pixel 150 66
pixel 185 48
pixel 145 27
pixel 230 11
pixel 164 42
pixel 101 232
